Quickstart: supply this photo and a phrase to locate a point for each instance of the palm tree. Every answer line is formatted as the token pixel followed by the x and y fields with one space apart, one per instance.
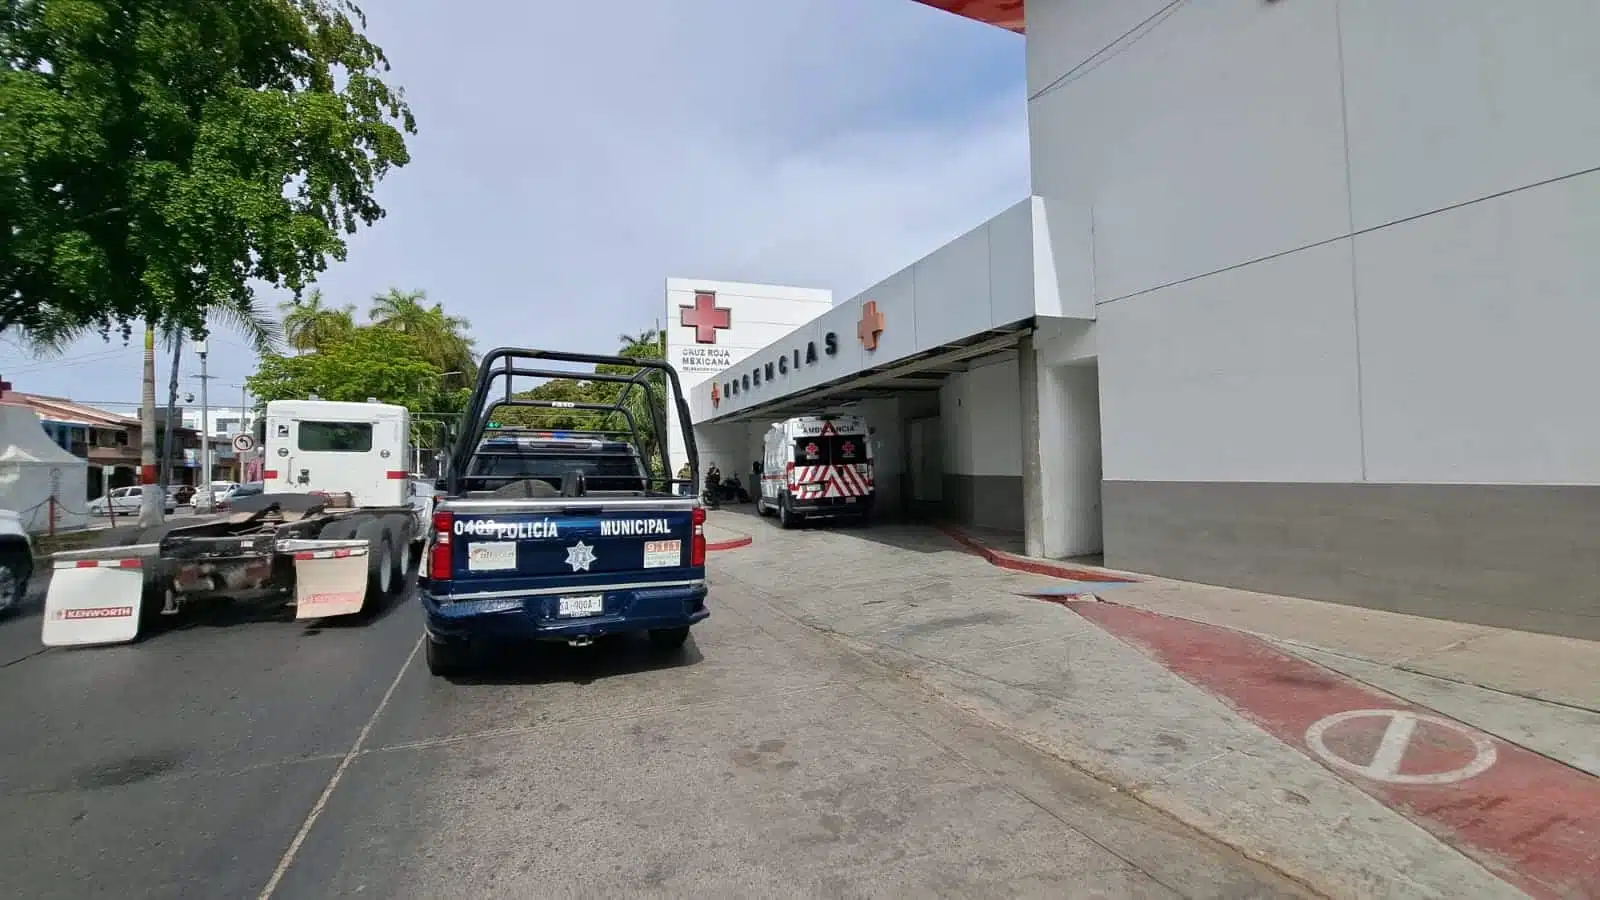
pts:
pixel 309 325
pixel 442 337
pixel 649 343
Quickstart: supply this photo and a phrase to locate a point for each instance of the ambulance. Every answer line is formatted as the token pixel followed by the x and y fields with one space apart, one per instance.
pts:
pixel 817 467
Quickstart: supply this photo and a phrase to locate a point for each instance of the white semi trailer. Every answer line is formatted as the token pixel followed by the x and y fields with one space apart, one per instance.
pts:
pixel 333 533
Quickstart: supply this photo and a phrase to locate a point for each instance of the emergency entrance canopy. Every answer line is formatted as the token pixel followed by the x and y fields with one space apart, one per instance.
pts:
pixel 33 467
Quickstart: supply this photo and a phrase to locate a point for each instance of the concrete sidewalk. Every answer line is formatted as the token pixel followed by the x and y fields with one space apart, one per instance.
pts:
pixel 1537 690
pixel 1090 692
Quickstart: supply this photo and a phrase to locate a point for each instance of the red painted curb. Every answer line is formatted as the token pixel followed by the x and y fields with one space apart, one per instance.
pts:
pixel 734 544
pixel 1026 564
pixel 1530 820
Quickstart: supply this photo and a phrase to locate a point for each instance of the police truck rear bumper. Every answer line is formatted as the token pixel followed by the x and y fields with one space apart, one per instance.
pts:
pixel 537 617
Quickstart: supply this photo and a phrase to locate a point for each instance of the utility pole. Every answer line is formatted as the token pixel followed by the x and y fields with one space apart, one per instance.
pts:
pixel 172 410
pixel 205 424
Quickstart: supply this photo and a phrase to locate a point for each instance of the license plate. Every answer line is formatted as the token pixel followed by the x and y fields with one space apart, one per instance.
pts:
pixel 849 499
pixel 588 605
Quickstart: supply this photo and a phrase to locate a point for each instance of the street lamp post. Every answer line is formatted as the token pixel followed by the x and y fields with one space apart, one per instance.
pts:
pixel 205 417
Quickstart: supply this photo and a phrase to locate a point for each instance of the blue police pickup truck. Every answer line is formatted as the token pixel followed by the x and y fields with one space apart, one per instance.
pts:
pixel 562 535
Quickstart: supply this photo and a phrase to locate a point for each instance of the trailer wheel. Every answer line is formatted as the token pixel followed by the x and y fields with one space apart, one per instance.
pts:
pixel 786 515
pixel 380 565
pixel 397 528
pixel 16 566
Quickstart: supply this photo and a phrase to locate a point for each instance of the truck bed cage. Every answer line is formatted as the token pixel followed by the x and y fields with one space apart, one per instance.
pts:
pixel 514 430
pixel 480 408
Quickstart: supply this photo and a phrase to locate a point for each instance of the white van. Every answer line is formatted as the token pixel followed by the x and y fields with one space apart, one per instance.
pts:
pixel 817 467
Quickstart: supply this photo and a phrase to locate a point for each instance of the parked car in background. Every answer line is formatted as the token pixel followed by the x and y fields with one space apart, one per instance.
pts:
pixel 125 501
pixel 239 492
pixel 16 560
pixel 421 497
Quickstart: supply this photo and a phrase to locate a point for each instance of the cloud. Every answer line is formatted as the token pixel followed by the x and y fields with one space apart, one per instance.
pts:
pixel 573 155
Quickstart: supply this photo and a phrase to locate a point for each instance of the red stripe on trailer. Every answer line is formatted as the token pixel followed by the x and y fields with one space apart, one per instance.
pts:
pixel 102 564
pixel 341 553
pixel 398 474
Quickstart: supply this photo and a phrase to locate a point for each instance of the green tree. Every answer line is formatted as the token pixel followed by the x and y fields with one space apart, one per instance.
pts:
pixel 157 157
pixel 371 362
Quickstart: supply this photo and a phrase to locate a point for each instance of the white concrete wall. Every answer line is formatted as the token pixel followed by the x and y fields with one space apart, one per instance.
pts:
pixel 981 280
pixel 980 413
pixel 1329 240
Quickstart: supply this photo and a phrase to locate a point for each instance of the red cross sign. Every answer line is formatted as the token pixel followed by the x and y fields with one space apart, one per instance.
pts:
pixel 705 317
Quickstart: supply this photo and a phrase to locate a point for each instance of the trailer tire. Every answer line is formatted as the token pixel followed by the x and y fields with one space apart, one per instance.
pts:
pixel 16 566
pixel 786 515
pixel 380 565
pixel 398 530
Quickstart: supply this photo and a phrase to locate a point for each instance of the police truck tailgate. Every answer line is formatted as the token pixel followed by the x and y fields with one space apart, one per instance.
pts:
pixel 540 546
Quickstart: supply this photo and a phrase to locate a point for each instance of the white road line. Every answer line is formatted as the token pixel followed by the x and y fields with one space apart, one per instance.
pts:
pixel 338 773
pixel 1392 749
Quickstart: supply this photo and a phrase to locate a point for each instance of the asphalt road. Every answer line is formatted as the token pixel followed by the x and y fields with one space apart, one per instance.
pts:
pixel 240 754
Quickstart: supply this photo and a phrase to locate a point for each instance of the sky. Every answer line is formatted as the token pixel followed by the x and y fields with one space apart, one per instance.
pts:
pixel 572 156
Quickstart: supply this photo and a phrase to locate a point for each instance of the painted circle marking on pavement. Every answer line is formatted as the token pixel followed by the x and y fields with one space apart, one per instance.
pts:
pixel 244 443
pixel 1385 762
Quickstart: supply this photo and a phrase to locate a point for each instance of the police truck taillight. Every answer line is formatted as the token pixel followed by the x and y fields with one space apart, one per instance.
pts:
pixel 697 549
pixel 441 564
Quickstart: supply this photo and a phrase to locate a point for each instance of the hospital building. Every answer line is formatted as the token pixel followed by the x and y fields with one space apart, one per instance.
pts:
pixel 1305 300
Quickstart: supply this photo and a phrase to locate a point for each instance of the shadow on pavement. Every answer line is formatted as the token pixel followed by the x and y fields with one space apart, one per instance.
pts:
pixel 547 663
pixel 901 534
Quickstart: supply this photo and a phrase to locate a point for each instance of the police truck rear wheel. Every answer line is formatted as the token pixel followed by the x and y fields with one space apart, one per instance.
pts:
pixel 442 660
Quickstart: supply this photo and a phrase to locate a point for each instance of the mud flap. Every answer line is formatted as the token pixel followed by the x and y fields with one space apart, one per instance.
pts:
pixel 95 595
pixel 330 577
